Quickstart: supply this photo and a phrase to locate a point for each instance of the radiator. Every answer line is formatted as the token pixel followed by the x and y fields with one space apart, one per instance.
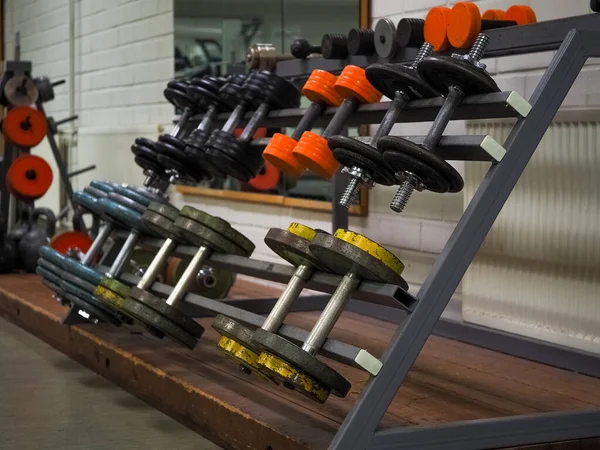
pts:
pixel 538 272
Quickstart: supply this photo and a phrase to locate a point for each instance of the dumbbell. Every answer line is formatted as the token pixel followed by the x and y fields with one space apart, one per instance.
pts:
pixel 225 99
pixel 435 29
pixel 235 156
pixel 465 22
pixel 194 96
pixel 418 165
pixel 362 162
pixel 357 258
pixel 334 46
pixel 312 150
pixel 118 210
pixel 291 245
pixel 361 41
pixel 302 49
pixel 320 90
pixel 192 227
pixel 145 150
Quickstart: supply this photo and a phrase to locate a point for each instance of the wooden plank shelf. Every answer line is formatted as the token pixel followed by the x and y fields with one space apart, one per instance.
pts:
pixel 451 381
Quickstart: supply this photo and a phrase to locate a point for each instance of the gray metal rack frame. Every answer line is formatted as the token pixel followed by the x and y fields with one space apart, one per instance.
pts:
pixel 576 40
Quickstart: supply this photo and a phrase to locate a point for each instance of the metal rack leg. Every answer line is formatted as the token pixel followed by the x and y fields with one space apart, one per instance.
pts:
pixel 357 429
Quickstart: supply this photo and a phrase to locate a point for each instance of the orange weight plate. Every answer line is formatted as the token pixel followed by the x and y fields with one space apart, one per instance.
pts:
pixel 279 152
pixel 320 86
pixel 71 240
pixel 436 28
pixel 522 14
pixel 29 177
pixel 313 152
pixel 24 126
pixel 353 81
pixel 493 14
pixel 464 24
pixel 267 179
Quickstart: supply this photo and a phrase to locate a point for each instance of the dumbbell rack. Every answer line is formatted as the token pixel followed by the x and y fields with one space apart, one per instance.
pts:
pixel 576 40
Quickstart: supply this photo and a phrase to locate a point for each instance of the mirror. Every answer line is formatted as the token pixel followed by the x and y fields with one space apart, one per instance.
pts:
pixel 212 38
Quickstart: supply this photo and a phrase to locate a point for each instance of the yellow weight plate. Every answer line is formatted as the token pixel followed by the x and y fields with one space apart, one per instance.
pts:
pixel 241 355
pixel 286 373
pixel 372 248
pixel 302 231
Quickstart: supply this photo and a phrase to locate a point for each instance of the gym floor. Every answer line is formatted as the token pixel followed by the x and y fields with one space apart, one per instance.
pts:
pixel 49 401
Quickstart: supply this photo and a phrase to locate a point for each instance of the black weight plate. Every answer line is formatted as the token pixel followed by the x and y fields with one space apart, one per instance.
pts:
pixel 158 224
pixel 398 144
pixel 410 32
pixel 294 355
pixel 232 167
pixel 158 325
pixel 164 209
pixel 203 97
pixel 143 146
pixel 379 173
pixel 169 312
pixel 441 72
pixel 179 167
pixel 431 178
pixel 178 85
pixel 210 83
pixel 291 247
pixel 170 140
pixel 94 192
pixel 230 94
pixel 233 330
pixel 351 152
pixel 125 201
pixel 342 258
pixel 391 78
pixel 385 38
pixel 196 140
pixel 180 99
pixel 202 236
pixel 149 164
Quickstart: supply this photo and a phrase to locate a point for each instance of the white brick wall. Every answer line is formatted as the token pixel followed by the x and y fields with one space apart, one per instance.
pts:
pixel 123 59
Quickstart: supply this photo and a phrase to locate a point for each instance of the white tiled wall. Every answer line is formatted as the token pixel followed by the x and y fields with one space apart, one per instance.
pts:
pixel 123 57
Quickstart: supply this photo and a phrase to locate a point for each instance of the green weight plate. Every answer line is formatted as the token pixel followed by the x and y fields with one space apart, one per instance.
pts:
pixel 57 270
pixel 171 313
pixel 127 202
pixel 48 276
pixel 128 217
pixel 291 247
pixel 153 320
pixel 164 209
pixel 305 362
pixel 104 186
pixel 71 265
pixel 116 286
pixel 342 257
pixel 240 240
pixel 90 309
pixel 158 224
pixel 87 201
pixel 202 236
pixel 216 223
pixel 113 301
pixel 125 191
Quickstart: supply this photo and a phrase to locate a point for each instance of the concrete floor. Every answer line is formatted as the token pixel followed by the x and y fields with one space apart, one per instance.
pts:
pixel 49 401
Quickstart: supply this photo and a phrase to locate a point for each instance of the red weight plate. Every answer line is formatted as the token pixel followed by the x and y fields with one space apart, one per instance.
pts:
pixel 29 177
pixel 24 126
